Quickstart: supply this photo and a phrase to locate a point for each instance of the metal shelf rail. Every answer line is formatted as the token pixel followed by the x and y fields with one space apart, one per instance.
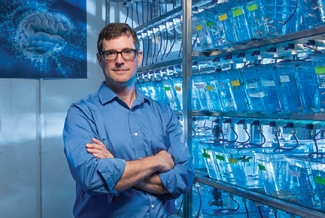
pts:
pixel 262 198
pixel 300 37
pixel 264 115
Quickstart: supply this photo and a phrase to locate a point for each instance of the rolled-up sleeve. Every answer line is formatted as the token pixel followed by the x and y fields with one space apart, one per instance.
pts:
pixel 93 175
pixel 179 180
pixel 111 170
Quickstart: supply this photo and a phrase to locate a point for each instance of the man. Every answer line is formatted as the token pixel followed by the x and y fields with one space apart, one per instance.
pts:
pixel 125 151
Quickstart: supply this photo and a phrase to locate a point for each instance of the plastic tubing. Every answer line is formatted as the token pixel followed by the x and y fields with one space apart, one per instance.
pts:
pixel 289 149
pixel 293 13
pixel 175 37
pixel 262 143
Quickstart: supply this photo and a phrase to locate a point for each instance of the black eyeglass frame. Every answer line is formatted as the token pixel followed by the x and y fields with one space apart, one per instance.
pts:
pixel 119 52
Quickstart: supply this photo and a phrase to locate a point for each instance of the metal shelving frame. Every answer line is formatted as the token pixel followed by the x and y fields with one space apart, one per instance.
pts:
pixel 296 38
pixel 187 57
pixel 187 86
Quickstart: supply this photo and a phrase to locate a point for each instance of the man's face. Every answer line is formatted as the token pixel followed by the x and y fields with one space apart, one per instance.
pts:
pixel 119 72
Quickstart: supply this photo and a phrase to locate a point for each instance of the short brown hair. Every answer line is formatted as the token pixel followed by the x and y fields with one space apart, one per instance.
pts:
pixel 115 30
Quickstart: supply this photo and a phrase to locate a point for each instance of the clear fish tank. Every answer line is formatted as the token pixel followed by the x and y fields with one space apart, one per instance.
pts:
pixel 302 184
pixel 318 173
pixel 274 169
pixel 244 166
pixel 221 162
pixel 209 160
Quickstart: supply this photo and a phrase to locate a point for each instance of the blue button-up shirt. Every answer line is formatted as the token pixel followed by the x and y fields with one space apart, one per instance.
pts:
pixel 129 134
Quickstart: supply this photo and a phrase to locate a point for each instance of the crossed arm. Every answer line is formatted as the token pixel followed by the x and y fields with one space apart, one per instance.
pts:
pixel 140 174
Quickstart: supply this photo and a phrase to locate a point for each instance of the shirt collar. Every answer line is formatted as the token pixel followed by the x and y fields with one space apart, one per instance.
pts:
pixel 106 95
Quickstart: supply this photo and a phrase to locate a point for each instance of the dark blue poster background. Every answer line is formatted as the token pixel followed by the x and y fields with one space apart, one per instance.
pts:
pixel 43 39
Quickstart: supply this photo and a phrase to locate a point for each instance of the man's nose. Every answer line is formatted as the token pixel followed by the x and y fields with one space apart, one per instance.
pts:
pixel 119 58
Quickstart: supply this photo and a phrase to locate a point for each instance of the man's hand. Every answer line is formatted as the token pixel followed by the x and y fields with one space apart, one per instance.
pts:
pixel 98 149
pixel 165 160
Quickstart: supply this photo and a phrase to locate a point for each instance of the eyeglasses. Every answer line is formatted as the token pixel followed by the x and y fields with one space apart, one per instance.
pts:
pixel 111 55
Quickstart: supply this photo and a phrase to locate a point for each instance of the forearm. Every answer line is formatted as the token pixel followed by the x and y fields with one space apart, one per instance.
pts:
pixel 136 171
pixel 152 184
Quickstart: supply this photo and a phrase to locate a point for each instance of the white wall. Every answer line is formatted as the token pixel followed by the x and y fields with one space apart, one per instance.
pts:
pixel 34 177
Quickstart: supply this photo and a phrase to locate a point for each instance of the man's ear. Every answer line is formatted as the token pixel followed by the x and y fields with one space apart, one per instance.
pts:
pixel 140 57
pixel 99 60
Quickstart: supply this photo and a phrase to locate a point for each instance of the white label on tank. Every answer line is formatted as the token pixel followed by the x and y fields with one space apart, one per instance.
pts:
pixel 256 94
pixel 268 83
pixel 252 85
pixel 284 78
pixel 294 173
pixel 321 80
pixel 199 85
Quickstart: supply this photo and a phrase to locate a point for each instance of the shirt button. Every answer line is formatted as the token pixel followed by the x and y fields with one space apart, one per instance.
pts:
pixel 136 134
pixel 152 206
pixel 130 112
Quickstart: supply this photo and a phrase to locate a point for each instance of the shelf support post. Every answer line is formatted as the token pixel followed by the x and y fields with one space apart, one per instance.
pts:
pixel 187 87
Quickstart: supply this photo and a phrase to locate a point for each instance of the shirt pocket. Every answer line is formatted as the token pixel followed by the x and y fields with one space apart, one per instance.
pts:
pixel 159 143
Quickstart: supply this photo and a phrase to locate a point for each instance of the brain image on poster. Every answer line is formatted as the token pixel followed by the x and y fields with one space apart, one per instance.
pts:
pixel 43 39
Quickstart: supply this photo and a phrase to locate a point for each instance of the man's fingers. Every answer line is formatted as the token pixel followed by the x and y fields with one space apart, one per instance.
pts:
pixel 95 146
pixel 90 150
pixel 98 149
pixel 95 153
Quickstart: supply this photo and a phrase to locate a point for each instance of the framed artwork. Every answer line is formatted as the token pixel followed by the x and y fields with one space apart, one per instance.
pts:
pixel 43 39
